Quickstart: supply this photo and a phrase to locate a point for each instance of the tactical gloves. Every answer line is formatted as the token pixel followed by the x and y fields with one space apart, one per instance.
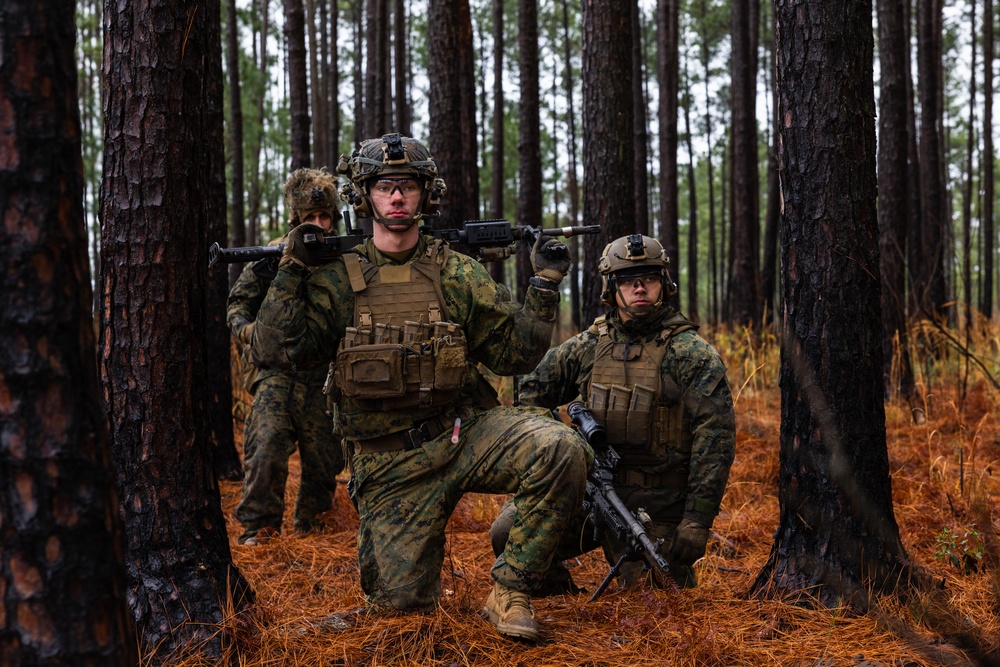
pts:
pixel 550 259
pixel 689 542
pixel 296 251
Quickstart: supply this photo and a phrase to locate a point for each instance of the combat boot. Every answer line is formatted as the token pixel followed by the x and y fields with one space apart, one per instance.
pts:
pixel 510 610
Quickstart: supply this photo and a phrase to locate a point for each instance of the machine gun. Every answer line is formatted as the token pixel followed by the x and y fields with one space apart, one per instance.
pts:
pixel 607 511
pixel 493 240
pixel 324 248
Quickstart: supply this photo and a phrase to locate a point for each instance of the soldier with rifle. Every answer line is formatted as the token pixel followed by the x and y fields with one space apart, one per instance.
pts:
pixel 405 319
pixel 660 392
pixel 289 408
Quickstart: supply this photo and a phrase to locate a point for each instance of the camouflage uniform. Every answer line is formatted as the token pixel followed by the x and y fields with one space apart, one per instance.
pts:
pixel 288 408
pixel 694 366
pixel 405 495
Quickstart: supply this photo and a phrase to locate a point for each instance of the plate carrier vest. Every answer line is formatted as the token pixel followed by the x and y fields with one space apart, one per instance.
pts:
pixel 402 352
pixel 640 408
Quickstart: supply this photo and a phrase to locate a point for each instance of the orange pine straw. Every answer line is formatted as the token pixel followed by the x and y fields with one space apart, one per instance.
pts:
pixel 307 587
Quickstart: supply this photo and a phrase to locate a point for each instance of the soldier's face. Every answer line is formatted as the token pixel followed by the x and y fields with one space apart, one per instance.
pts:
pixel 396 198
pixel 637 294
pixel 319 217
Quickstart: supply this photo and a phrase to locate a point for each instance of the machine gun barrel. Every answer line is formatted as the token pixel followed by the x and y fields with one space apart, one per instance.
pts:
pixel 606 508
pixel 326 248
pixel 493 240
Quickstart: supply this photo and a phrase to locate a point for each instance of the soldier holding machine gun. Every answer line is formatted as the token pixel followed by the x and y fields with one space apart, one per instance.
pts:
pixel 660 392
pixel 405 320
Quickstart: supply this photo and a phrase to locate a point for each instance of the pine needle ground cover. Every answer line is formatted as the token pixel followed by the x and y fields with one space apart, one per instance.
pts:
pixel 945 486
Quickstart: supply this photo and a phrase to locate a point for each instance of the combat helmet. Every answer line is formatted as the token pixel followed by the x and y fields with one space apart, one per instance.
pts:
pixel 308 190
pixel 390 154
pixel 634 254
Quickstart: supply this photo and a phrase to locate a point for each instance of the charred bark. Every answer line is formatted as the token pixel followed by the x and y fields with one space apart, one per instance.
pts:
pixel 62 575
pixel 837 540
pixel 160 167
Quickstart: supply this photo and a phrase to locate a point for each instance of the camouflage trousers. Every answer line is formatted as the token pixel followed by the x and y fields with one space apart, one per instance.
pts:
pixel 287 413
pixel 665 508
pixel 405 497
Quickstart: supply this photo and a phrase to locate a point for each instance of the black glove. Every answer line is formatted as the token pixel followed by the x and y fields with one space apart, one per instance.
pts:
pixel 550 259
pixel 296 250
pixel 689 542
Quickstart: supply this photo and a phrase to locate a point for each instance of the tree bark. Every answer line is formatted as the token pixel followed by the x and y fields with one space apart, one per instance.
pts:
pixel 298 88
pixel 744 300
pixel 377 69
pixel 607 134
pixel 225 458
pixel 572 183
pixel 931 288
pixel 452 106
pixel 967 194
pixel 667 17
pixel 640 136
pixel 359 76
pixel 254 189
pixel 317 102
pixel 401 72
pixel 161 165
pixel 692 257
pixel 769 268
pixel 713 256
pixel 892 197
pixel 237 222
pixel 499 144
pixel 529 182
pixel 988 279
pixel 62 575
pixel 837 540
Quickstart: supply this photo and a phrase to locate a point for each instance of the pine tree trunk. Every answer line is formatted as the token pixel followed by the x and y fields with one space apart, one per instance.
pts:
pixel 692 257
pixel 837 540
pixel 572 184
pixel 932 289
pixel 402 48
pixel 62 577
pixel 161 164
pixel 667 16
pixel 237 225
pixel 744 273
pixel 988 275
pixel 298 88
pixel 892 194
pixel 453 137
pixel 529 182
pixel 607 135
pixel 640 139
pixel 254 189
pixel 497 188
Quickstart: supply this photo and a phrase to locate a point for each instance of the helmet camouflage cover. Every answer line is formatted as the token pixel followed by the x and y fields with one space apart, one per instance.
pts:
pixel 309 190
pixel 389 155
pixel 633 255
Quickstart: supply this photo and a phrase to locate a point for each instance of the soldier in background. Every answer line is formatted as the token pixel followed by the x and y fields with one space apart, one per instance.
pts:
pixel 289 407
pixel 406 319
pixel 660 391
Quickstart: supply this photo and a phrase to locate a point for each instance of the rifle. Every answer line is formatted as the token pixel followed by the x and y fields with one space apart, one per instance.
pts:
pixel 324 248
pixel 490 239
pixel 606 509
pixel 493 240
